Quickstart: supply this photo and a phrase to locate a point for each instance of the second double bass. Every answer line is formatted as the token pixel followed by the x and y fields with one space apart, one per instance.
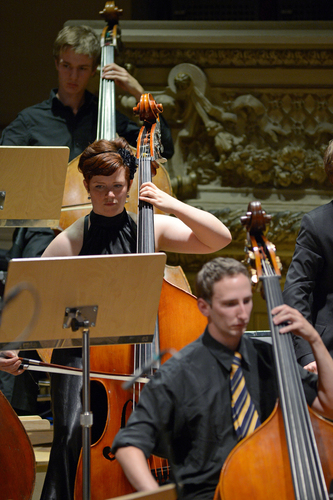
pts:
pixel 290 455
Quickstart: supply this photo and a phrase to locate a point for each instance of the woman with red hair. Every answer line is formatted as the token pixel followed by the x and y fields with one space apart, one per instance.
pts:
pixel 108 168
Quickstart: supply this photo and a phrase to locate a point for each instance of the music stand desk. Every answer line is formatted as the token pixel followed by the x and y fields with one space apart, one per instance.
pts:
pixel 124 289
pixel 32 181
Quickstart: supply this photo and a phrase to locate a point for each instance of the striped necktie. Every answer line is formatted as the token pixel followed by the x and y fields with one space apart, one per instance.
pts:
pixel 244 414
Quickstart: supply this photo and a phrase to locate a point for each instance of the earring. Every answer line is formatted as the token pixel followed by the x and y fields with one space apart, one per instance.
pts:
pixel 89 197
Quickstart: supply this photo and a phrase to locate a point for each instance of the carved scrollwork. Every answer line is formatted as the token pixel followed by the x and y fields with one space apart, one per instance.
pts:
pixel 288 167
pixel 267 139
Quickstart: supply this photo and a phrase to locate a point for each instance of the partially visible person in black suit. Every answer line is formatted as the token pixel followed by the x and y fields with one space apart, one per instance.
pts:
pixel 309 282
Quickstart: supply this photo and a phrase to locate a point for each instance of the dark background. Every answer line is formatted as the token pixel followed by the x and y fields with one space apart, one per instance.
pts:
pixel 234 10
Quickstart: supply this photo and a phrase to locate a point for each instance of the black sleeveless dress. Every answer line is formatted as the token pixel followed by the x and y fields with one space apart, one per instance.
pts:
pixel 108 235
pixel 102 235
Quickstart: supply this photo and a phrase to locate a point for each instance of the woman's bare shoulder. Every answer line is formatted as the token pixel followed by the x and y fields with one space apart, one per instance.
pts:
pixel 68 242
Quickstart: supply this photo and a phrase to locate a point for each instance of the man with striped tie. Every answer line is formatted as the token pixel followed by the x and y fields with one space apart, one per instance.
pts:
pixel 216 390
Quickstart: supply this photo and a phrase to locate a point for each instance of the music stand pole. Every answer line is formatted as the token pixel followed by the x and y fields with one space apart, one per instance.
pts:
pixel 86 417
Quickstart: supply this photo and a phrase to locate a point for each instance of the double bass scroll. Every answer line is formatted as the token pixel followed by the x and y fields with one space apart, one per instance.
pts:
pixel 149 153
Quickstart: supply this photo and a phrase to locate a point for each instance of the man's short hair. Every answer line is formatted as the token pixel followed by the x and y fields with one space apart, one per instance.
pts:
pixel 82 39
pixel 328 161
pixel 215 270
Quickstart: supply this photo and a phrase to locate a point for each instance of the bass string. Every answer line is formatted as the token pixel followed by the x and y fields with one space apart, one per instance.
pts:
pixel 146 236
pixel 307 473
pixel 143 353
pixel 106 126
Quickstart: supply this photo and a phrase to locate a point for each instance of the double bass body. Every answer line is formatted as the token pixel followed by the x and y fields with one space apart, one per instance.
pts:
pixel 258 467
pixel 17 458
pixel 176 330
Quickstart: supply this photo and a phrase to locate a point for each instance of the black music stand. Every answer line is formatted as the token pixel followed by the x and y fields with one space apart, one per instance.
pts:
pixel 32 180
pixel 109 298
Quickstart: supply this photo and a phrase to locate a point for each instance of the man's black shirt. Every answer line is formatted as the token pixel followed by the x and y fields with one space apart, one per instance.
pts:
pixel 50 123
pixel 186 408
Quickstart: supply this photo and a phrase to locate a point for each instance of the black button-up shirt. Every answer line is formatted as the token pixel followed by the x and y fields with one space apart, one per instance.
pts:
pixel 50 123
pixel 186 407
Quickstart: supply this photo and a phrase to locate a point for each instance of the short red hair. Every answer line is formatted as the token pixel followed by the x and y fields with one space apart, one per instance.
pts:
pixel 102 158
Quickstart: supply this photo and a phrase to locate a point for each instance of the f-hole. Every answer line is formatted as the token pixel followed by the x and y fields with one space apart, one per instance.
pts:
pixel 99 408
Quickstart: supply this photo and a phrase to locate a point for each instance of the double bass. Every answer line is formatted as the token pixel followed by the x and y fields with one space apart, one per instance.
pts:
pixel 17 458
pixel 179 322
pixel 290 456
pixel 75 202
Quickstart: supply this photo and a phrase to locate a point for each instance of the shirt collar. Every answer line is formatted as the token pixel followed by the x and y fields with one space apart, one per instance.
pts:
pixel 56 103
pixel 222 353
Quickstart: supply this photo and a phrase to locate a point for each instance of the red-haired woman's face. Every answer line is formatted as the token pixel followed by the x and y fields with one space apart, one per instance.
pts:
pixel 108 193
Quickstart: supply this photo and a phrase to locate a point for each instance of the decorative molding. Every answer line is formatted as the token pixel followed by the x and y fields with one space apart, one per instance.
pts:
pixel 229 58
